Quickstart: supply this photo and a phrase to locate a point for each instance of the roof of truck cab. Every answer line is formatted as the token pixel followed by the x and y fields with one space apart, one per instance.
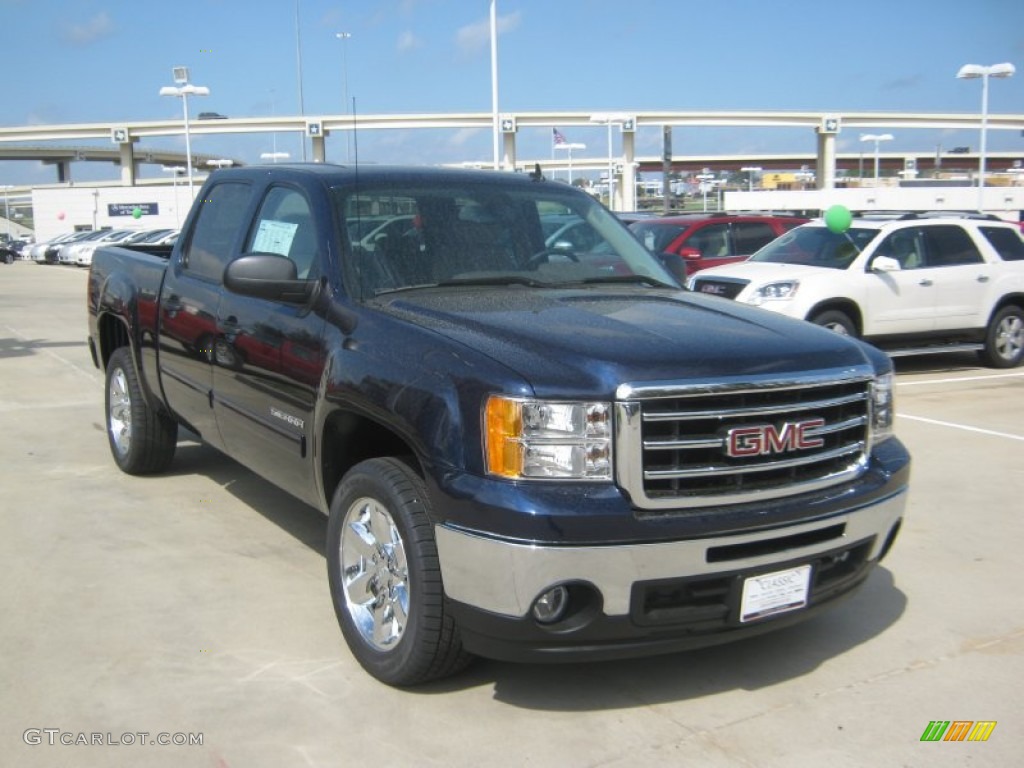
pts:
pixel 327 172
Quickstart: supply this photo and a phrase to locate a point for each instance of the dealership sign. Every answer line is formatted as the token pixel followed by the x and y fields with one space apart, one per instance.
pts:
pixel 129 209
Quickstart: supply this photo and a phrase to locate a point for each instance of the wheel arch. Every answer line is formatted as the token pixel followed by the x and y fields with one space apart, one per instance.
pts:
pixel 348 438
pixel 848 307
pixel 1009 300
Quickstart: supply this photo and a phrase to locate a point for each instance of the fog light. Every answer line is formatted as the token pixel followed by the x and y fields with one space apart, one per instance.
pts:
pixel 551 606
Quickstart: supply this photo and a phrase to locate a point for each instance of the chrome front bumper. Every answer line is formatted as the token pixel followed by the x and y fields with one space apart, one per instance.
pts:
pixel 505 577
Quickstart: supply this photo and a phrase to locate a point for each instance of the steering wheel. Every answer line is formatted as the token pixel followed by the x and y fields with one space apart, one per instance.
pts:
pixel 543 255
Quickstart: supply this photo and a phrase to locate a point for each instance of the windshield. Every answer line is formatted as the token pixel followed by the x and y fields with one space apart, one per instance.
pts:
pixel 541 234
pixel 817 247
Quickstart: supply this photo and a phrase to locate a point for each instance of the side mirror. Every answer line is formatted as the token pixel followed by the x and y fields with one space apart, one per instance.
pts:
pixel 690 253
pixel 885 264
pixel 268 276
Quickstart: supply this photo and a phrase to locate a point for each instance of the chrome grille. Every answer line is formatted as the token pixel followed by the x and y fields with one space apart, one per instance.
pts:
pixel 727 288
pixel 707 443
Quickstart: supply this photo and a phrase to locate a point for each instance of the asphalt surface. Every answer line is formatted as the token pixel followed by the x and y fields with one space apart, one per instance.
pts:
pixel 195 605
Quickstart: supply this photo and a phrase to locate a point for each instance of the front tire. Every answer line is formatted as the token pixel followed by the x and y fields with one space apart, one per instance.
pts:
pixel 142 440
pixel 1004 339
pixel 385 576
pixel 836 321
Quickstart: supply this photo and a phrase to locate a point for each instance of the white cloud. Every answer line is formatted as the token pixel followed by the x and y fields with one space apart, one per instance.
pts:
pixel 407 41
pixel 472 38
pixel 84 33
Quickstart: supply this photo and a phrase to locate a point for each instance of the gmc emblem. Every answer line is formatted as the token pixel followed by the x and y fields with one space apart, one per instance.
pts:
pixel 716 290
pixel 765 439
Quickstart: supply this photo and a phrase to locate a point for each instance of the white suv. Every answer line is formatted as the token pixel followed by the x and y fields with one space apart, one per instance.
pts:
pixel 913 284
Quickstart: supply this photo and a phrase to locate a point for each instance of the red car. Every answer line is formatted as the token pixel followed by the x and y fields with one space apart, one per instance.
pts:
pixel 705 240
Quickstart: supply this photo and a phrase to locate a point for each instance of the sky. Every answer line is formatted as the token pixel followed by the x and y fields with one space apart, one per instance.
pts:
pixel 80 61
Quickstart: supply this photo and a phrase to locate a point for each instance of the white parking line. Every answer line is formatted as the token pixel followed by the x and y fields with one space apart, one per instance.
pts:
pixel 958 379
pixel 960 426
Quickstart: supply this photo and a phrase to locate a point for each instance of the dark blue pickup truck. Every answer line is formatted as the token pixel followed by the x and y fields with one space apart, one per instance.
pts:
pixel 530 447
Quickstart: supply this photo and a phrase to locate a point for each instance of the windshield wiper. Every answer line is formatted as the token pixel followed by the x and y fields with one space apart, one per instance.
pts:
pixel 641 279
pixel 495 280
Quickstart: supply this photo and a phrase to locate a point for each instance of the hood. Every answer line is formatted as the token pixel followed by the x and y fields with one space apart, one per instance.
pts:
pixel 587 341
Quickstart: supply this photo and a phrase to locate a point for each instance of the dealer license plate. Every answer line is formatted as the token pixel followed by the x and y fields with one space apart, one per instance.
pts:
pixel 771 593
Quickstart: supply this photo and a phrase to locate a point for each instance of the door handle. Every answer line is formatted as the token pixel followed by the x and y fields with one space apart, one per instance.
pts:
pixel 983 278
pixel 925 282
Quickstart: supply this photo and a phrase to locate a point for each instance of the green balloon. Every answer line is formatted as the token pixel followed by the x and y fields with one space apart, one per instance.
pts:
pixel 838 219
pixel 136 213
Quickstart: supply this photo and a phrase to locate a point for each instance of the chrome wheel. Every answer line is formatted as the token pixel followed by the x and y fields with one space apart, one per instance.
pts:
pixel 374 573
pixel 1009 340
pixel 119 413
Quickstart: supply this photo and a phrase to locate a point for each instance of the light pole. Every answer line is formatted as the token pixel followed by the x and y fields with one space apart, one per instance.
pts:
pixel 177 170
pixel 878 138
pixel 7 210
pixel 972 72
pixel 344 36
pixel 495 120
pixel 610 119
pixel 750 171
pixel 183 90
pixel 705 179
pixel 569 147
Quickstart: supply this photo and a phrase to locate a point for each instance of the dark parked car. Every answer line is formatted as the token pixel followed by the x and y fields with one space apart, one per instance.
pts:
pixel 705 240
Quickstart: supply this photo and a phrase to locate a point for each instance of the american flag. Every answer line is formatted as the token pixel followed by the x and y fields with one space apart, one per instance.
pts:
pixel 558 138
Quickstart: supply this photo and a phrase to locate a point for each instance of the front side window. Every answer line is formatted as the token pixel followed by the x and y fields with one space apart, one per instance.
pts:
pixel 219 220
pixel 751 236
pixel 539 235
pixel 712 241
pixel 284 226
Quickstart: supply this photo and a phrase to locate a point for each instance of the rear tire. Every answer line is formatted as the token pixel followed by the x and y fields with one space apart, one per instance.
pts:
pixel 385 576
pixel 1004 339
pixel 836 321
pixel 142 440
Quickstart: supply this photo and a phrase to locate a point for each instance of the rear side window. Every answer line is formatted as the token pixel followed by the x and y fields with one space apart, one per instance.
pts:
pixel 950 246
pixel 1008 243
pixel 751 236
pixel 220 219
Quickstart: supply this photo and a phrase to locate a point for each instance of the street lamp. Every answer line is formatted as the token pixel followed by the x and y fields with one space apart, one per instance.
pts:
pixel 7 210
pixel 569 147
pixel 177 170
pixel 705 180
pixel 878 138
pixel 344 36
pixel 972 72
pixel 183 90
pixel 750 171
pixel 610 119
pixel 274 156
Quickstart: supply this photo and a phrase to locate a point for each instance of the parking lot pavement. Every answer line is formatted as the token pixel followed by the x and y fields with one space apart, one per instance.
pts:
pixel 195 604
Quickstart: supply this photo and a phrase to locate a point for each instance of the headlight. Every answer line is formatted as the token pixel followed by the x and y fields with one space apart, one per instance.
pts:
pixel 882 411
pixel 548 439
pixel 774 291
